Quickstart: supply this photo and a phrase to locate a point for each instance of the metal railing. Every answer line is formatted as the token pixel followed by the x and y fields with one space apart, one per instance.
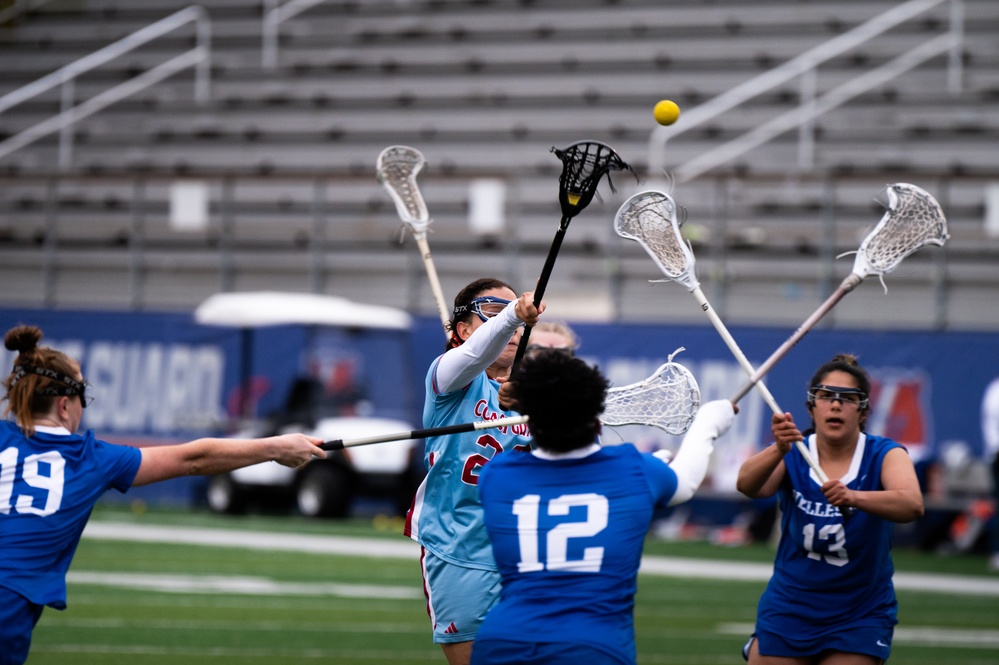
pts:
pixel 805 67
pixel 276 13
pixel 71 113
pixel 19 9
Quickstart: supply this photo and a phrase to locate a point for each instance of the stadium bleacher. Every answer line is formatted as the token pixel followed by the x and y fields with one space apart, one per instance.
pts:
pixel 485 88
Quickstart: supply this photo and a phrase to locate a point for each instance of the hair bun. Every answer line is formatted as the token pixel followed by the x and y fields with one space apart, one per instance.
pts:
pixel 22 338
pixel 847 358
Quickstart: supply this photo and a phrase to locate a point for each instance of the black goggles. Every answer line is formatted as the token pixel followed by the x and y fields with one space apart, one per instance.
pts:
pixel 823 393
pixel 533 349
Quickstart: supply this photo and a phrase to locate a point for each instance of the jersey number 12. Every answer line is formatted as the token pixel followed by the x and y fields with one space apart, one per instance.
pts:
pixel 528 508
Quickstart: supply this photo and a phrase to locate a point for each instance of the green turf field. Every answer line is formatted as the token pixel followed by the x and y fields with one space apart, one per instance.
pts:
pixel 156 603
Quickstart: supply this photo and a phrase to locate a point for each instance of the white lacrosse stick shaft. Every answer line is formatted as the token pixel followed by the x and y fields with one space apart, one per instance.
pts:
pixel 397 167
pixel 650 218
pixel 751 371
pixel 913 219
pixel 435 282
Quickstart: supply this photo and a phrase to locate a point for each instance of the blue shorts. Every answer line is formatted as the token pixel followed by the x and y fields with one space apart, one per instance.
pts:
pixel 18 617
pixel 458 598
pixel 871 641
pixel 506 652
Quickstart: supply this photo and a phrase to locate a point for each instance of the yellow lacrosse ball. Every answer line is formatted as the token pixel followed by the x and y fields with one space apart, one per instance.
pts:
pixel 666 112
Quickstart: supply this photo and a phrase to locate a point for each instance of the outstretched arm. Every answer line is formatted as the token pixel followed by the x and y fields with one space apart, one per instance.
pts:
pixel 204 457
pixel 691 463
pixel 761 474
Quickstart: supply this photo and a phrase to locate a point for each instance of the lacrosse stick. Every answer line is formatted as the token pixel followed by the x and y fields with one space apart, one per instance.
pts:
pixel 583 165
pixel 650 218
pixel 912 220
pixel 397 168
pixel 668 399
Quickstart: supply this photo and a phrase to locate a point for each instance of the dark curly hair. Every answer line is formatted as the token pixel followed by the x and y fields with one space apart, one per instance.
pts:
pixel 462 310
pixel 563 396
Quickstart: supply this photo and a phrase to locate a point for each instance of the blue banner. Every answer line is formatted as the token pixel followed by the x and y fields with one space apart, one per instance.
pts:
pixel 161 376
pixel 929 388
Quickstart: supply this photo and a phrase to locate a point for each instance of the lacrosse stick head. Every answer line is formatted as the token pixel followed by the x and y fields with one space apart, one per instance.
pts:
pixel 668 399
pixel 397 167
pixel 583 165
pixel 650 219
pixel 913 219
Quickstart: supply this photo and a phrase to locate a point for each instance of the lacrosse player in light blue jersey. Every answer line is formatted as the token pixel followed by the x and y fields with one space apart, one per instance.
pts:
pixel 51 477
pixel 462 386
pixel 568 520
pixel 831 600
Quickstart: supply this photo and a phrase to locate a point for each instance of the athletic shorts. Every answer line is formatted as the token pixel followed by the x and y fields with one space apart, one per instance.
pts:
pixel 506 652
pixel 458 598
pixel 869 640
pixel 18 617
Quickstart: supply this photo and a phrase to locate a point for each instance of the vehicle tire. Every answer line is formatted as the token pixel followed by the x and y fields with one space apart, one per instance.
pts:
pixel 324 490
pixel 225 495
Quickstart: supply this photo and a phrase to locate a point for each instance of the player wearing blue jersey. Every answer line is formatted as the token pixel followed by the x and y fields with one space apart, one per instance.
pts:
pixel 830 599
pixel 51 477
pixel 462 385
pixel 568 520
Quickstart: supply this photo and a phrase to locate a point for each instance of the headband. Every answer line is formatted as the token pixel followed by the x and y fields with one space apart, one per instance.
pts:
pixel 71 385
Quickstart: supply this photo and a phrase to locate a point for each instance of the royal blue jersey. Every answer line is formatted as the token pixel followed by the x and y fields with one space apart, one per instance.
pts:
pixel 567 535
pixel 48 486
pixel 446 516
pixel 830 572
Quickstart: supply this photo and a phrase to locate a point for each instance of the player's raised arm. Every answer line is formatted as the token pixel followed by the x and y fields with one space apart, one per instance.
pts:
pixel 761 474
pixel 691 463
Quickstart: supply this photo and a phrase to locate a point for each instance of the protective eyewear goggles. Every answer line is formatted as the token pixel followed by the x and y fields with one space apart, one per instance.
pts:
pixel 485 307
pixel 846 396
pixel 69 388
pixel 533 349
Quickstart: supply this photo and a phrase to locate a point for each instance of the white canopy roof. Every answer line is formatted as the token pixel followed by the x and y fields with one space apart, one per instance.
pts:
pixel 271 308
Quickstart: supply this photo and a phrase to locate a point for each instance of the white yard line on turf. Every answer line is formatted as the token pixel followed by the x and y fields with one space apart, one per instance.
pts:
pixel 407 549
pixel 403 548
pixel 258 586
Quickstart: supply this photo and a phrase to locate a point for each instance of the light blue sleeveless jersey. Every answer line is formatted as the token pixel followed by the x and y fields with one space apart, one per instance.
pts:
pixel 446 516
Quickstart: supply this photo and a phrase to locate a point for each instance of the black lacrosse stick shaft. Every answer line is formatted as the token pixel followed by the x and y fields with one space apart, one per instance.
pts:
pixel 338 444
pixel 583 165
pixel 539 291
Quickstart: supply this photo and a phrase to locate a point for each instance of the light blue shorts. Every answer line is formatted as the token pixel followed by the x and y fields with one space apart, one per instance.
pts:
pixel 458 598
